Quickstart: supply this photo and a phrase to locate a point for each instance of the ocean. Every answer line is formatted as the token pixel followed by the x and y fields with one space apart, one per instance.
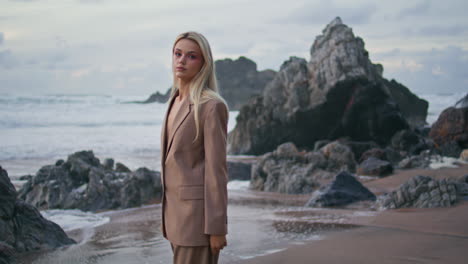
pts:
pixel 38 130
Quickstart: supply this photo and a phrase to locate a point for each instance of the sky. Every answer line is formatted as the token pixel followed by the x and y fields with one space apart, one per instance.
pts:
pixel 122 47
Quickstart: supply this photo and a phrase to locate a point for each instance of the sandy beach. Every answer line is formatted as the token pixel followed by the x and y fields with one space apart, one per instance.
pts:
pixel 394 236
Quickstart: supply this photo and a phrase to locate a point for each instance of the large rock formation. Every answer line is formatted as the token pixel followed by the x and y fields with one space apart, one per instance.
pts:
pixel 22 227
pixel 338 93
pixel 238 81
pixel 83 183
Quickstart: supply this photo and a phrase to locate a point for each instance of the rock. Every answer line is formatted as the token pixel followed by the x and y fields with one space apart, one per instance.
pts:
pixel 22 227
pixel 109 164
pixel 404 140
pixel 424 192
pixel 464 155
pixel 119 167
pixel 375 167
pixel 377 153
pixel 345 189
pixel 83 183
pixel 238 81
pixel 339 156
pixel 338 93
pixel 286 170
pixel 360 147
pixel 450 131
pixel 158 97
pixel 239 170
pixel 463 102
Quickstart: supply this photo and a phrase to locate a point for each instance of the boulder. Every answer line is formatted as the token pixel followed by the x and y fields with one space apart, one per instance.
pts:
pixel 22 227
pixel 345 189
pixel 463 102
pixel 286 170
pixel 83 183
pixel 338 93
pixel 377 153
pixel 450 131
pixel 339 157
pixel 424 192
pixel 375 167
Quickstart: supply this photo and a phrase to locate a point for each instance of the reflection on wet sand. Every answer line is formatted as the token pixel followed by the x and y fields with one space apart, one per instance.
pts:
pixel 259 224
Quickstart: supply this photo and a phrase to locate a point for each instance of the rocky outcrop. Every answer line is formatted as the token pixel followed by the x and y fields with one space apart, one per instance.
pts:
pixel 345 189
pixel 238 81
pixel 287 170
pixel 83 183
pixel 450 131
pixel 338 93
pixel 22 227
pixel 424 192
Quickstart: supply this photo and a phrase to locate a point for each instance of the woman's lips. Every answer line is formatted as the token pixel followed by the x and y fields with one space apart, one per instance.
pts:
pixel 180 68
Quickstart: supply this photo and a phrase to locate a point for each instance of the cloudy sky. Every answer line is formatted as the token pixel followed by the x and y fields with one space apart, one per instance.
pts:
pixel 124 47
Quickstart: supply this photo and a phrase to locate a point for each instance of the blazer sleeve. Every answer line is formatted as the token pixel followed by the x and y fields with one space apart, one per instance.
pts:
pixel 216 177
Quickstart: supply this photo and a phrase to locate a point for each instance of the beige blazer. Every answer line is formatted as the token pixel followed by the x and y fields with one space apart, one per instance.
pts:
pixel 194 175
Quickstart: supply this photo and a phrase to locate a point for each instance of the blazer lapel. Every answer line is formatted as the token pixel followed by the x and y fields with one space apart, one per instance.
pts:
pixel 163 132
pixel 178 120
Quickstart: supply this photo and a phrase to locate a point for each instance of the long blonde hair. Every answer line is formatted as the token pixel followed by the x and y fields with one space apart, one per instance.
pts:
pixel 203 86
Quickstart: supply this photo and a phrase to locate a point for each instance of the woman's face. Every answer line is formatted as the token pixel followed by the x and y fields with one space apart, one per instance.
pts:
pixel 187 59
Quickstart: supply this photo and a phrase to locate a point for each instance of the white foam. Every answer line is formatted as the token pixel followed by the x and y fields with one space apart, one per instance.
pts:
pixel 238 185
pixel 74 219
pixel 445 162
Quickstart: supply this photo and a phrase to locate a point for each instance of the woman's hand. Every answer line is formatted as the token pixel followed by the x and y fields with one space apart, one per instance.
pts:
pixel 217 243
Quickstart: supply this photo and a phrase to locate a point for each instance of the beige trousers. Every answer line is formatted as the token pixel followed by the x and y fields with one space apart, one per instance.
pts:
pixel 193 255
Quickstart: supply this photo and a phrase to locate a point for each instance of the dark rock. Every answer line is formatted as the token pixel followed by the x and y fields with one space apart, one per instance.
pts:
pixel 375 167
pixel 450 149
pixel 22 227
pixel 404 140
pixel 239 170
pixel 360 147
pixel 338 93
pixel 320 143
pixel 345 189
pixel 424 192
pixel 158 97
pixel 109 164
pixel 83 183
pixel 451 126
pixel 119 167
pixel 377 153
pixel 59 162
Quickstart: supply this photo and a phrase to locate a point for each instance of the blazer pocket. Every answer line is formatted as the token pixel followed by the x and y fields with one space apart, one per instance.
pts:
pixel 192 192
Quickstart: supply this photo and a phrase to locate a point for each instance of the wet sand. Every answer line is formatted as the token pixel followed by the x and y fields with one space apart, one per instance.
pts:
pixel 276 228
pixel 438 235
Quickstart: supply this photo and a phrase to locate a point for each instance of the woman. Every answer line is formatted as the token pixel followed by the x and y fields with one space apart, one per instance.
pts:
pixel 194 171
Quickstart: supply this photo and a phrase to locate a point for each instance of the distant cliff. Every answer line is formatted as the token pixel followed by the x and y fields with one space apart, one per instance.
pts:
pixel 238 81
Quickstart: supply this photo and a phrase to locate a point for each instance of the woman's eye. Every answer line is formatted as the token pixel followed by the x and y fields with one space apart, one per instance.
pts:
pixel 192 57
pixel 178 54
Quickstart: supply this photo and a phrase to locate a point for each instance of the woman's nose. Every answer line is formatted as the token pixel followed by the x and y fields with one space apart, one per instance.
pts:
pixel 182 59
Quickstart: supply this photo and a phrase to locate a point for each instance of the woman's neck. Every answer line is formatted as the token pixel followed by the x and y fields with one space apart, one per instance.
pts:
pixel 183 89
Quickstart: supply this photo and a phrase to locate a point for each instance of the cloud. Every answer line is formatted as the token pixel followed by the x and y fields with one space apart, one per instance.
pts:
pixel 418 9
pixel 2 38
pixel 436 30
pixel 326 10
pixel 7 59
pixel 433 70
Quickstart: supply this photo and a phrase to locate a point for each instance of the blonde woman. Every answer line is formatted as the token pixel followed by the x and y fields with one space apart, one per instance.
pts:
pixel 193 144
